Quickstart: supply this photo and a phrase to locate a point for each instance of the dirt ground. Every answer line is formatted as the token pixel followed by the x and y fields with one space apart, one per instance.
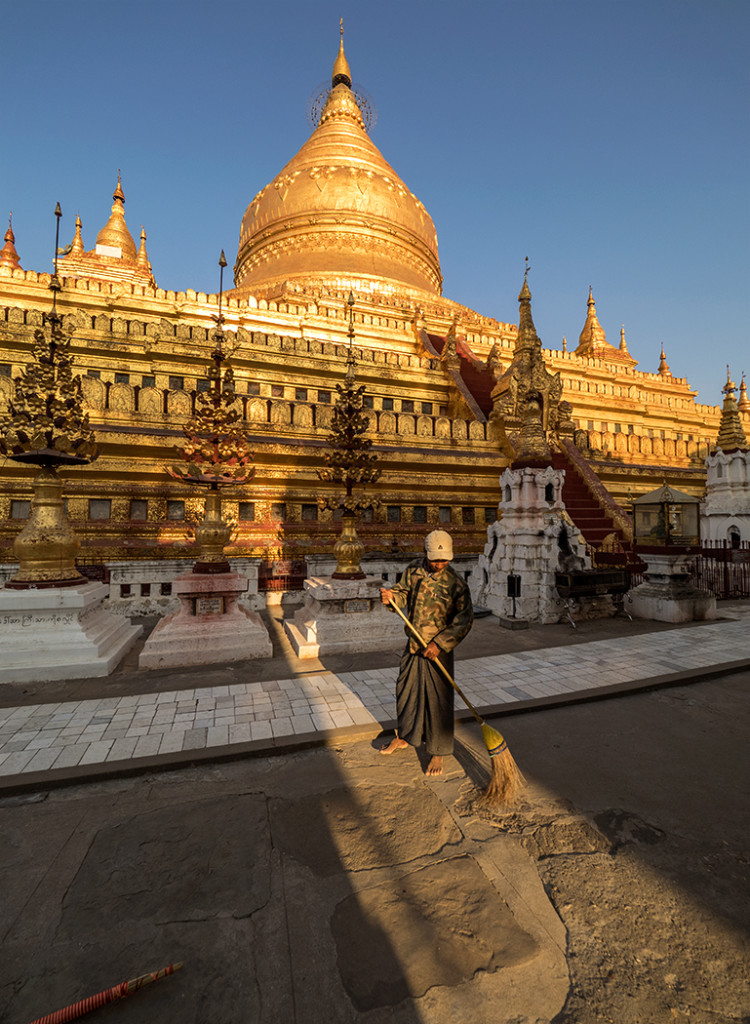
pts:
pixel 340 886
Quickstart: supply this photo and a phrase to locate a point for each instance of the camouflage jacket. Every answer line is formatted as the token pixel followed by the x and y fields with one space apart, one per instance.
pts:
pixel 438 604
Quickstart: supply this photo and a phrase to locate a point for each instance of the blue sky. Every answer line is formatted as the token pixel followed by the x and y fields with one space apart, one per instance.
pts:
pixel 608 141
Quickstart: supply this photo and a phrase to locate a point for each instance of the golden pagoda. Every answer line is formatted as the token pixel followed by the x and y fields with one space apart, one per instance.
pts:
pixel 337 215
pixel 442 381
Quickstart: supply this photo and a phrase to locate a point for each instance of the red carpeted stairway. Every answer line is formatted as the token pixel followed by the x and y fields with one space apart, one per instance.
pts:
pixel 589 516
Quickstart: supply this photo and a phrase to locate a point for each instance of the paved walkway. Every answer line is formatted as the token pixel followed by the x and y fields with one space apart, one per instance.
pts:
pixel 47 743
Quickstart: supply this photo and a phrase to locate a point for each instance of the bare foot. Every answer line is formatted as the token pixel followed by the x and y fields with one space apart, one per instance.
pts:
pixel 394 745
pixel 435 767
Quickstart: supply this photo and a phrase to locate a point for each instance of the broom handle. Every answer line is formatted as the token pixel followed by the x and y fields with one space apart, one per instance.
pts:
pixel 436 661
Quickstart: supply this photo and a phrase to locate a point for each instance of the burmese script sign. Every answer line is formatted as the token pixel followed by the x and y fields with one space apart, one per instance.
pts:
pixel 209 605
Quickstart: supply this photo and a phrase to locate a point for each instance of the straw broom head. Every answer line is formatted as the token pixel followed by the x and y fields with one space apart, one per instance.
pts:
pixel 506 778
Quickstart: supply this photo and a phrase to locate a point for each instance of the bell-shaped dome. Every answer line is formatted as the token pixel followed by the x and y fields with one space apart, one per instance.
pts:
pixel 338 213
pixel 114 235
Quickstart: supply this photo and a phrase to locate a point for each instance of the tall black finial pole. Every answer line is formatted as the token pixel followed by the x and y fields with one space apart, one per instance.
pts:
pixel 54 284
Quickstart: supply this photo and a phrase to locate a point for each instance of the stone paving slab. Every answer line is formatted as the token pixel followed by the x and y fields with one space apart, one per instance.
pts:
pixel 77 739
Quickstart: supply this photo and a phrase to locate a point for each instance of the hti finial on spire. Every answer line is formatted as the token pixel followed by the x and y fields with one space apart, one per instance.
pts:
pixel 525 294
pixel 118 192
pixel 341 73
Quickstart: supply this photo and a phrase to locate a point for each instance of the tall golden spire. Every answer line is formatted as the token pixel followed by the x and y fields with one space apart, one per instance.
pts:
pixel 592 336
pixel 731 435
pixel 623 343
pixel 76 246
pixel 115 235
pixel 744 403
pixel 664 365
pixel 8 254
pixel 341 73
pixel 527 337
pixel 142 257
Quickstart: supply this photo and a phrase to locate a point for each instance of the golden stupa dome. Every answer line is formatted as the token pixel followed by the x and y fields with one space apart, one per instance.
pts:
pixel 338 214
pixel 114 235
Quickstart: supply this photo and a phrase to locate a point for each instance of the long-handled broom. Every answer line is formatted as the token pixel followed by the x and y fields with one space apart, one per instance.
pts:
pixel 506 777
pixel 109 995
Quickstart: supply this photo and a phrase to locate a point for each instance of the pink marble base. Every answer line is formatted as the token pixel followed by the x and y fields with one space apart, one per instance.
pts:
pixel 209 626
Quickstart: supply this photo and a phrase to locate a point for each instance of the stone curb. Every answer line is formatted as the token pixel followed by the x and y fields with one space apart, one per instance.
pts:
pixel 30 782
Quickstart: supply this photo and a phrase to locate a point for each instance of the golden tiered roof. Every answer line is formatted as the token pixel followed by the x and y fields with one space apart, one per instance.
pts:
pixel 338 214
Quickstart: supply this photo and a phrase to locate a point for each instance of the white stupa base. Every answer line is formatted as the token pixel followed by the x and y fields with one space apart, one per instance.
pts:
pixel 60 633
pixel 343 617
pixel 663 603
pixel 667 595
pixel 209 627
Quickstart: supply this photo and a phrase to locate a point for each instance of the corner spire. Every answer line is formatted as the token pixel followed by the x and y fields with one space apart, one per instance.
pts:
pixel 592 338
pixel 142 257
pixel 623 343
pixel 8 254
pixel 76 246
pixel 341 73
pixel 664 365
pixel 744 403
pixel 731 435
pixel 527 336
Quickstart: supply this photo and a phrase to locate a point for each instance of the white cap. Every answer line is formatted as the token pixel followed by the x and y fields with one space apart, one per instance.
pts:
pixel 438 546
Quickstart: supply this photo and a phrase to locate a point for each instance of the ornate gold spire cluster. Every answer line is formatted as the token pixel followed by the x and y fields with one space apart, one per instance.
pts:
pixel 526 401
pixel 592 340
pixel 338 215
pixel 731 433
pixel 114 257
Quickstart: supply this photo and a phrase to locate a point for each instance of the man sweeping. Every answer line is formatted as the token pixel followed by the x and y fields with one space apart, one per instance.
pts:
pixel 438 603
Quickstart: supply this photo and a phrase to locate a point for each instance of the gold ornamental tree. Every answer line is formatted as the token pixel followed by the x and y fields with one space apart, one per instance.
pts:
pixel 46 426
pixel 215 452
pixel 349 462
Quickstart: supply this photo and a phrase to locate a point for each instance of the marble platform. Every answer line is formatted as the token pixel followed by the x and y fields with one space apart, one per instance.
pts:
pixel 60 633
pixel 343 616
pixel 667 595
pixel 209 626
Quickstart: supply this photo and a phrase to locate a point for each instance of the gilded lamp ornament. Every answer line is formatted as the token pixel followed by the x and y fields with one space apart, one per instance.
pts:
pixel 216 452
pixel 349 462
pixel 46 426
